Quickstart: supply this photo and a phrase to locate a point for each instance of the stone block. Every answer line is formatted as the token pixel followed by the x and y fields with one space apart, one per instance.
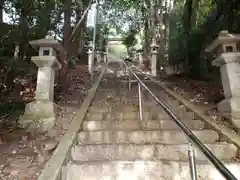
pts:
pixel 230 108
pixel 39 116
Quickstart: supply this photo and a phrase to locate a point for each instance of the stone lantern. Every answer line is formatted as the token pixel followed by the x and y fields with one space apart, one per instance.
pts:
pixel 105 57
pixel 99 55
pixel 90 62
pixel 141 57
pixel 39 115
pixel 154 52
pixel 226 49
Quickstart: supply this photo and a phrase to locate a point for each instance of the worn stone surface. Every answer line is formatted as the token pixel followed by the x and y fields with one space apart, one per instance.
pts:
pixel 147 152
pixel 95 116
pixel 49 145
pixel 147 170
pixel 135 124
pixel 230 107
pixel 140 137
pixel 39 116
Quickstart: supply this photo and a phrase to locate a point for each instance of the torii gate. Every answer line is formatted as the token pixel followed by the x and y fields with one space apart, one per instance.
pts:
pixel 113 42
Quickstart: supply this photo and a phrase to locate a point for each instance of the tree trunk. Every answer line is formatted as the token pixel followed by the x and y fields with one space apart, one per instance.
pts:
pixel 67 26
pixel 23 44
pixel 187 14
pixel 195 11
pixel 1 10
pixel 83 29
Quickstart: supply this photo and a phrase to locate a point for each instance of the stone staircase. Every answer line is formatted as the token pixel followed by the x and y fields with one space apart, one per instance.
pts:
pixel 115 145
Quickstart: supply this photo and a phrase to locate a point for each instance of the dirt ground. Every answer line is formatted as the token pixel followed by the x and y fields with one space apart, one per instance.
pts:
pixel 22 155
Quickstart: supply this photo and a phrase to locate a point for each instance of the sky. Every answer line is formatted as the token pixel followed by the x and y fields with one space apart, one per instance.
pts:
pixel 6 19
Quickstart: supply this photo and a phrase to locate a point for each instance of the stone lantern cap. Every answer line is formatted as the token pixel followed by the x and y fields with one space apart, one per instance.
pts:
pixel 90 44
pixel 225 39
pixel 48 42
pixel 154 43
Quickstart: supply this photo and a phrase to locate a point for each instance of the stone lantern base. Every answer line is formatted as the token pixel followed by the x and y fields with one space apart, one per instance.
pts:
pixel 39 116
pixel 230 108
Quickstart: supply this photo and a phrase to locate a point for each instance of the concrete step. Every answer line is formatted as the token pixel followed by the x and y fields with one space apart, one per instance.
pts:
pixel 180 111
pixel 137 125
pixel 116 108
pixel 135 115
pixel 83 153
pixel 102 116
pixel 144 170
pixel 95 116
pixel 117 116
pixel 154 113
pixel 94 109
pixel 140 137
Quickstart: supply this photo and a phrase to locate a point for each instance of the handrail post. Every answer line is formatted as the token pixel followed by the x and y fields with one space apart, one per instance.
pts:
pixel 192 162
pixel 140 102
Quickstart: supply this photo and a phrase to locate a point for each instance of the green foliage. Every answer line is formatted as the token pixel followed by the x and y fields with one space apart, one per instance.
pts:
pixel 130 41
pixel 188 43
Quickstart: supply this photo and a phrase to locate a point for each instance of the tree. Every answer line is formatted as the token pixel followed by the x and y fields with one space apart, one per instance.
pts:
pixel 201 23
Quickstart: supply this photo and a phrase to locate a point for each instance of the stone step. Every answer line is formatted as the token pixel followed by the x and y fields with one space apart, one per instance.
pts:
pixel 137 125
pixel 94 109
pixel 95 116
pixel 83 153
pixel 144 170
pixel 140 137
pixel 103 116
pixel 125 108
pixel 116 108
pixel 111 114
pixel 135 115
pixel 179 110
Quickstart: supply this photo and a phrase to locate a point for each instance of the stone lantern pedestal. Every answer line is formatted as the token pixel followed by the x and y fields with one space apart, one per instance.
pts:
pixel 99 56
pixel 39 115
pixel 141 58
pixel 225 46
pixel 154 52
pixel 90 62
pixel 105 57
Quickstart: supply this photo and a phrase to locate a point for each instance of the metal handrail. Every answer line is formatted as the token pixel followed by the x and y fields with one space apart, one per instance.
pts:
pixel 210 156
